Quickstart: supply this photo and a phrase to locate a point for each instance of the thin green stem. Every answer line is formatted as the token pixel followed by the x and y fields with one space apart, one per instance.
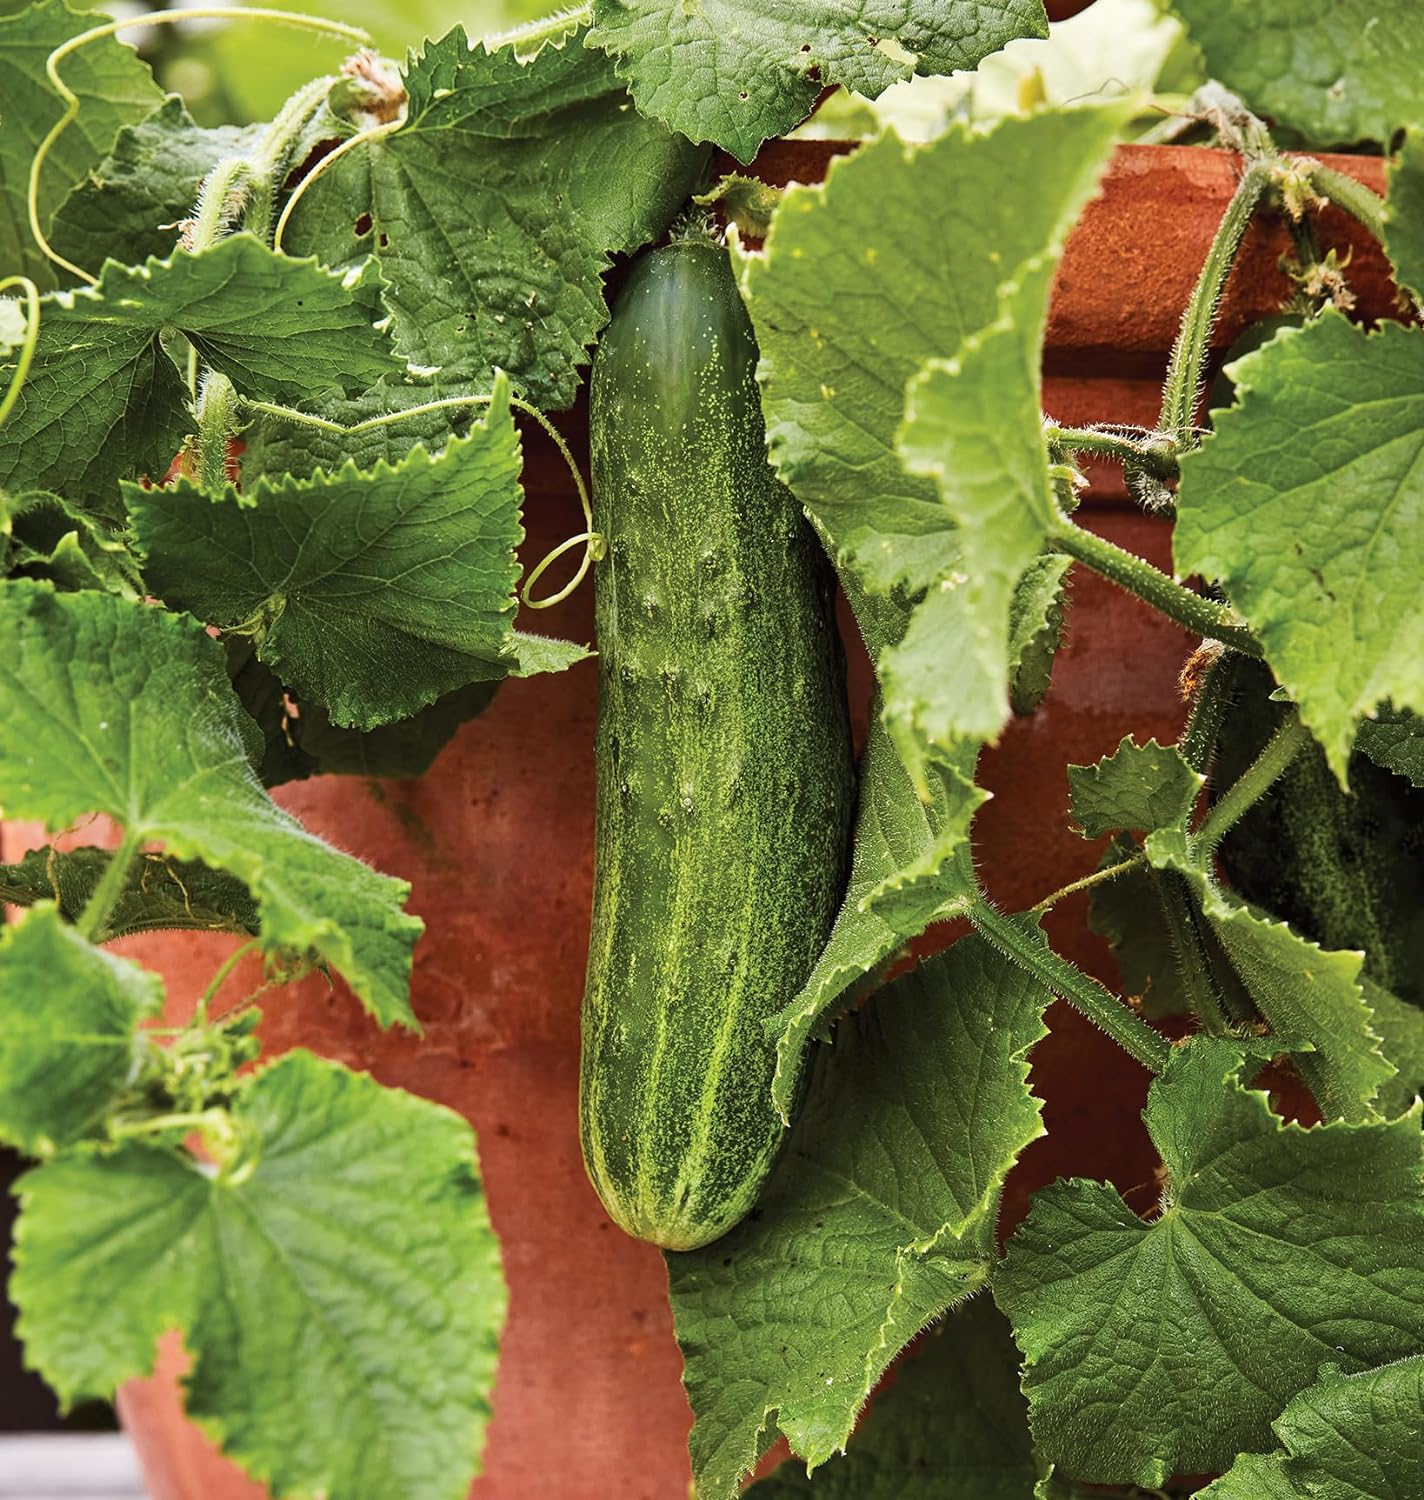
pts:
pixel 1098 877
pixel 201 1120
pixel 220 202
pixel 1361 203
pixel 1145 452
pixel 26 356
pixel 1025 946
pixel 1200 616
pixel 1255 781
pixel 101 903
pixel 1189 353
pixel 220 978
pixel 97 33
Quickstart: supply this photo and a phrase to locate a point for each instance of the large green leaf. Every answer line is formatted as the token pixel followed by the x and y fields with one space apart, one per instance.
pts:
pixel 44 536
pixel 953 1426
pixel 371 593
pixel 894 260
pixel 1164 1347
pixel 114 707
pixel 104 401
pixel 854 294
pixel 1336 73
pixel 904 875
pixel 492 212
pixel 879 1216
pixel 338 1283
pixel 161 894
pixel 67 1018
pixel 114 89
pixel 1307 503
pixel 738 73
pixel 1347 1437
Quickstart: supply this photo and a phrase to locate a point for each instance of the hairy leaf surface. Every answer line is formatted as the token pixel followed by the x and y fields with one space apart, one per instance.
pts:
pixel 1338 73
pixel 338 1285
pixel 1132 1332
pixel 67 1018
pixel 1307 503
pixel 1347 1437
pixel 492 212
pixel 114 707
pixel 879 1216
pixel 738 73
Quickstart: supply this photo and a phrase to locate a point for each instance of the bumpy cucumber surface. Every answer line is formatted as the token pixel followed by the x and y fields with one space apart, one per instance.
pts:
pixel 725 782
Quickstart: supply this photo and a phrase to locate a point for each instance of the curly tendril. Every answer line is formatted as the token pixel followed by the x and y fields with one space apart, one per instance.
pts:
pixel 159 18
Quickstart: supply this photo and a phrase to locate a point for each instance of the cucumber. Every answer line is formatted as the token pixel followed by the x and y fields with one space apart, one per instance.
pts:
pixel 725 780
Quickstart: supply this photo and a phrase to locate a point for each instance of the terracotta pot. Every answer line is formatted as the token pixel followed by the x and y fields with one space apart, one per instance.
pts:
pixel 497 843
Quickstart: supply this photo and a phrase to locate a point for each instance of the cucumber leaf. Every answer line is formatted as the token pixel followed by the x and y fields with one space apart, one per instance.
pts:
pixel 277 327
pixel 859 264
pixel 1307 504
pixel 737 73
pixel 67 1017
pixel 132 204
pixel 338 1284
pixel 1131 1332
pixel 114 88
pixel 953 1426
pixel 1395 740
pixel 1137 787
pixel 492 212
pixel 1338 73
pixel 1347 1437
pixel 1310 996
pixel 114 707
pixel 161 894
pixel 892 1174
pixel 371 593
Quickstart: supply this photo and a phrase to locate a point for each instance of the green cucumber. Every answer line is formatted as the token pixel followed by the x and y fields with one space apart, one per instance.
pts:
pixel 725 780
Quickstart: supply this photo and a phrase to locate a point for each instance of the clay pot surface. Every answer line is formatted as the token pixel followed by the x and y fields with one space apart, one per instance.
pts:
pixel 497 843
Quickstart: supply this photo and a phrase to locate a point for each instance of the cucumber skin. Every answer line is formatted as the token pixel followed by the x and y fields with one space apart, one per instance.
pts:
pixel 725 779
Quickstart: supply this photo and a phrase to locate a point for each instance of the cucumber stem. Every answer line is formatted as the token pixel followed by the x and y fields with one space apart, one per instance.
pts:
pixel 1024 946
pixel 1098 877
pixel 1363 204
pixel 1184 372
pixel 1200 616
pixel 1145 452
pixel 1187 949
pixel 1255 781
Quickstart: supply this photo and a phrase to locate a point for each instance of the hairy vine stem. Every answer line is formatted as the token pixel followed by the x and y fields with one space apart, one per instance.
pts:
pixel 1179 604
pixel 158 18
pixel 1098 877
pixel 1254 782
pixel 1149 451
pixel 1184 371
pixel 1362 204
pixel 1024 946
